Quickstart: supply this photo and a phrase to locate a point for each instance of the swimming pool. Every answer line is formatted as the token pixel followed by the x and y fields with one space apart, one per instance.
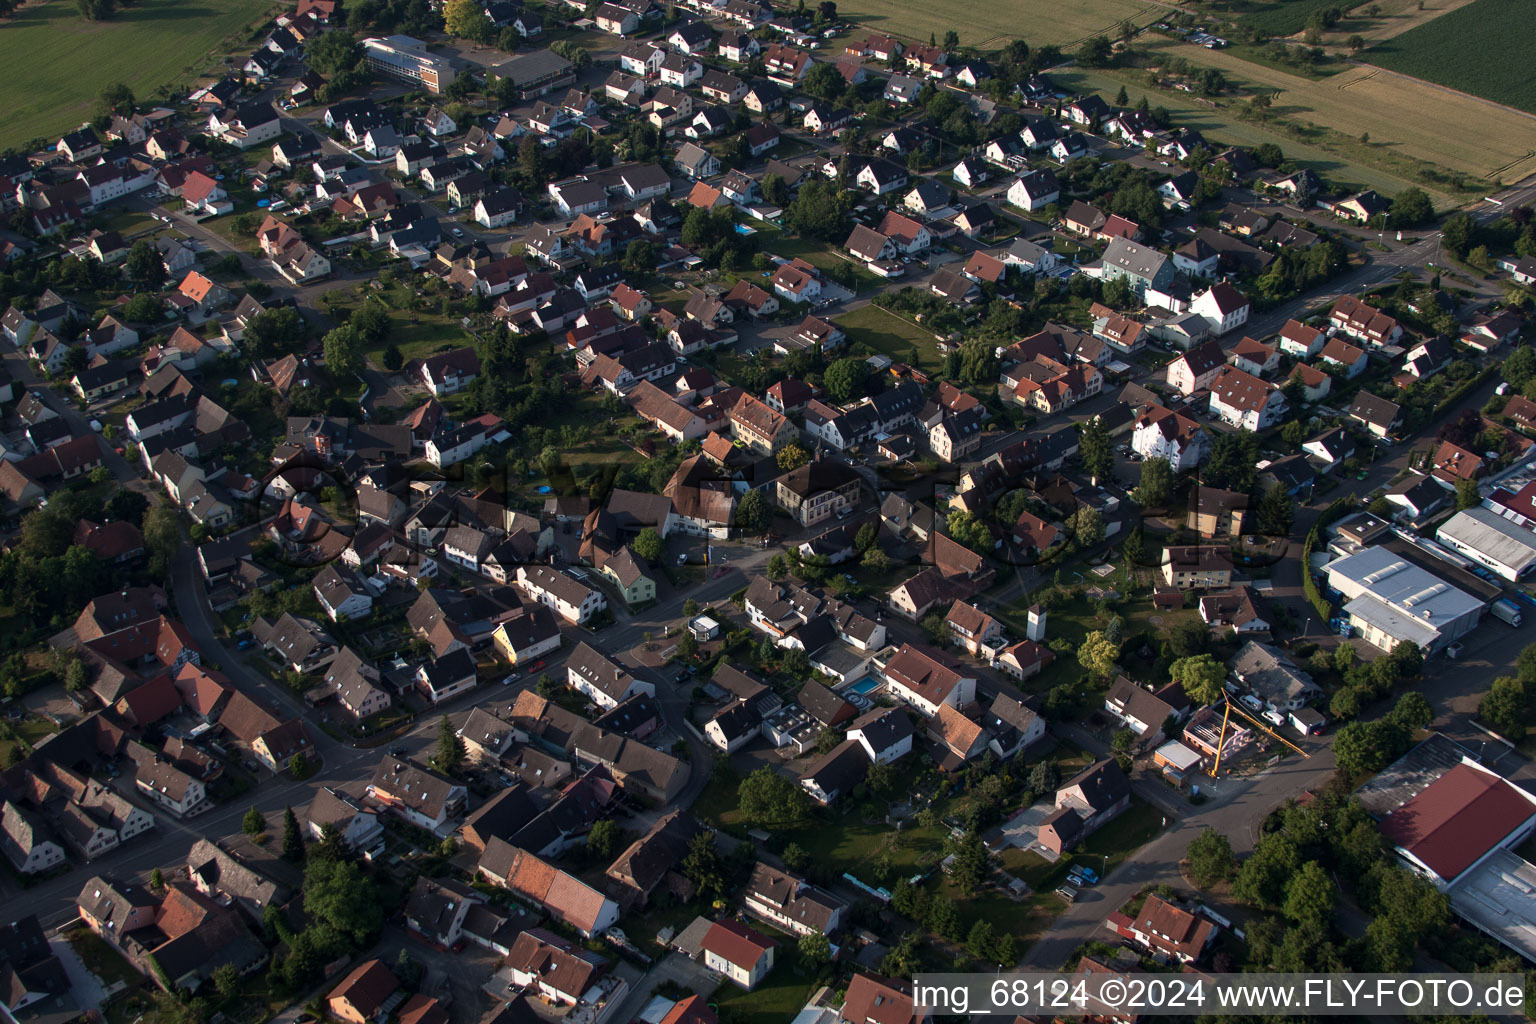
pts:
pixel 864 686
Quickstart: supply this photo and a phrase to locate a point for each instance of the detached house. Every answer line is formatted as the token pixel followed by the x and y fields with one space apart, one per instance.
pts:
pixel 791 904
pixel 1196 368
pixel 1223 306
pixel 1243 400
pixel 1164 434
pixel 743 955
pixel 925 682
pixel 1034 190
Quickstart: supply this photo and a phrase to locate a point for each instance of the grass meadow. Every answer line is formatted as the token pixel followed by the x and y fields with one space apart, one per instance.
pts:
pixel 55 63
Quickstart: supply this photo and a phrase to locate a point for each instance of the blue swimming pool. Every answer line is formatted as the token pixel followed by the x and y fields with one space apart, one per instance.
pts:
pixel 864 686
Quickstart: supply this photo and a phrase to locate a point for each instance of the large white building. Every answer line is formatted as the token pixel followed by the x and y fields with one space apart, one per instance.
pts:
pixel 406 57
pixel 1491 540
pixel 1390 601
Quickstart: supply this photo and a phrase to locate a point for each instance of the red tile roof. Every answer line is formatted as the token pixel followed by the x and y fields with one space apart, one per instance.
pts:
pixel 1457 819
pixel 875 1000
pixel 367 987
pixel 737 943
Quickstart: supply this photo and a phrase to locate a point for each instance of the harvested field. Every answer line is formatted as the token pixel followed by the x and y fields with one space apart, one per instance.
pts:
pixel 1413 118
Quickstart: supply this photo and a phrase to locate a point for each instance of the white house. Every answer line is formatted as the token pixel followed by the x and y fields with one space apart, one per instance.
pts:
pixel 602 680
pixel 567 598
pixel 1164 434
pixel 1222 305
pixel 884 733
pixel 342 593
pixel 1034 190
pixel 1243 400
pixel 741 954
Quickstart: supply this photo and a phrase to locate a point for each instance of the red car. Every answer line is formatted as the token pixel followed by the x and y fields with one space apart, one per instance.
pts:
pixel 536 666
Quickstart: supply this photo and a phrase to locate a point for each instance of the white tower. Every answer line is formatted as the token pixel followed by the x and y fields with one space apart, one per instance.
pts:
pixel 1036 627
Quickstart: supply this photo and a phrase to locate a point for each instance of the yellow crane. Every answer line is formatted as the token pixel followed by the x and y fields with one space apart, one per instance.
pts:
pixel 1230 706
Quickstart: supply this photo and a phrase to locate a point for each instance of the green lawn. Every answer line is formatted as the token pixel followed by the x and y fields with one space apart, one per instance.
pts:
pixel 31 731
pixel 129 223
pixel 56 64
pixel 1074 619
pixel 890 335
pixel 417 332
pixel 778 998
pixel 819 254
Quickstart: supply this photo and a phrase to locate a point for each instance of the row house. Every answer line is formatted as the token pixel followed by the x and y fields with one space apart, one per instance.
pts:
pixel 572 601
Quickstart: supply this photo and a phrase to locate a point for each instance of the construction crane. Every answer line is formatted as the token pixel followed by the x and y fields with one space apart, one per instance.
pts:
pixel 1221 744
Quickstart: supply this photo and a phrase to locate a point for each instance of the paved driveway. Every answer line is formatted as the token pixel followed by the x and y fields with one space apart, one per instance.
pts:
pixel 673 967
pixel 84 987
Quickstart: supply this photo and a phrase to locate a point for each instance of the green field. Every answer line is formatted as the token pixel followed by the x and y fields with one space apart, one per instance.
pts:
pixel 988 24
pixel 1280 17
pixel 1483 48
pixel 55 63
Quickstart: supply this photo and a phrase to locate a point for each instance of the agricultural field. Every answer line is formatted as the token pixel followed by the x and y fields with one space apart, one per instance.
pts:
pixel 1277 17
pixel 1483 48
pixel 56 64
pixel 1063 23
pixel 1391 18
pixel 1413 119
pixel 1219 126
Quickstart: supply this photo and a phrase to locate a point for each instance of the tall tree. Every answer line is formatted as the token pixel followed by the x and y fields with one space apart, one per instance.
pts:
pixel 332 52
pixel 339 896
pixel 1097 449
pixel 845 379
pixel 293 842
pixel 372 322
pixel 450 748
pixel 752 513
pixel 1277 510
pixel 1097 654
pixel 343 352
pixel 145 266
pixel 117 98
pixel 1156 487
pixel 1210 858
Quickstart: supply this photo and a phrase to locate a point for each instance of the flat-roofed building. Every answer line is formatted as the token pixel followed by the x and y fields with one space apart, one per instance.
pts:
pixel 406 57
pixel 1392 601
pixel 1491 540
